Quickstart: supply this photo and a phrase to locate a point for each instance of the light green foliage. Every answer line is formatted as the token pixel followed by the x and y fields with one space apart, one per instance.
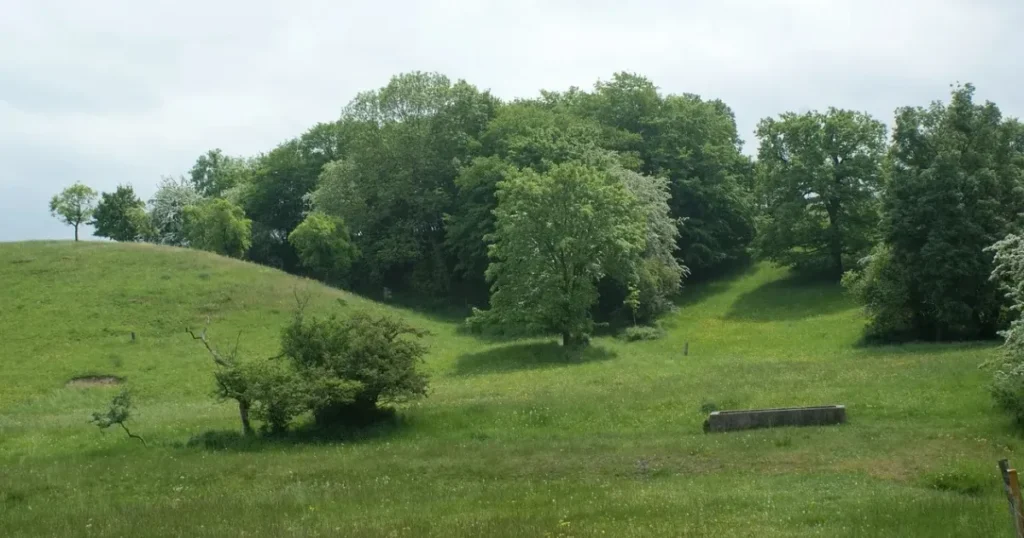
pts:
pixel 397 180
pixel 167 210
pixel 556 235
pixel 354 363
pixel 218 226
pixel 74 205
pixel 819 177
pixel 639 333
pixel 659 274
pixel 324 245
pixel 955 185
pixel 120 215
pixel 512 441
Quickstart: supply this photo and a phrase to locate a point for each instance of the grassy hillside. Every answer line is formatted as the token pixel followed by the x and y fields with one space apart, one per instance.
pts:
pixel 512 440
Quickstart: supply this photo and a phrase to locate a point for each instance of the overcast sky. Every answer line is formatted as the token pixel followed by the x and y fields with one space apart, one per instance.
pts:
pixel 107 92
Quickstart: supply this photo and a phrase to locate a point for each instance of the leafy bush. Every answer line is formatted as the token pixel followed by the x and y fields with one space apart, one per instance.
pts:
pixel 642 332
pixel 882 287
pixel 350 365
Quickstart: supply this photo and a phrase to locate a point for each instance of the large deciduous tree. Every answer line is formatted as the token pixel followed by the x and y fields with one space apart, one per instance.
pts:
pixel 955 185
pixel 694 144
pixel 819 178
pixel 556 235
pixel 397 180
pixel 121 215
pixel 74 205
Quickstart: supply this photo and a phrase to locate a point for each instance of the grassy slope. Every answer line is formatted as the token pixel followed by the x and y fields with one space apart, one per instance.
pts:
pixel 511 441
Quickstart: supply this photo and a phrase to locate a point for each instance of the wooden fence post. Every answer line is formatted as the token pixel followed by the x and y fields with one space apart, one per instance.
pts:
pixel 1011 485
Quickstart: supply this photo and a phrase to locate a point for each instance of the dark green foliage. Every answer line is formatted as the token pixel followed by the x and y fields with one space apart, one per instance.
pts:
pixel 694 144
pixel 818 177
pixel 473 219
pixel 954 186
pixel 396 182
pixel 351 365
pixel 121 216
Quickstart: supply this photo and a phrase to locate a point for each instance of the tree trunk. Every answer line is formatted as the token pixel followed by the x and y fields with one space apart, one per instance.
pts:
pixel 243 413
pixel 835 236
pixel 76 232
pixel 566 339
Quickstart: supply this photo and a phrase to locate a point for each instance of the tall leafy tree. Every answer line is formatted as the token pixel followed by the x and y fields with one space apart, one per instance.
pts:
pixel 557 234
pixel 955 185
pixel 694 144
pixel 218 226
pixel 819 177
pixel 523 134
pixel 167 210
pixel 121 215
pixel 397 180
pixel 74 205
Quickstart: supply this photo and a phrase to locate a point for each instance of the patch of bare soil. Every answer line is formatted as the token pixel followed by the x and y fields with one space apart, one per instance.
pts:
pixel 93 381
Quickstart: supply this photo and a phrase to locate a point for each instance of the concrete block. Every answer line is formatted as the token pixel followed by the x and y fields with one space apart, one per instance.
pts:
pixel 723 421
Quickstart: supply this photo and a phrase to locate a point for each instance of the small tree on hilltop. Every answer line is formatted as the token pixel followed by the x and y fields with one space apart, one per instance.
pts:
pixel 556 234
pixel 74 205
pixel 121 216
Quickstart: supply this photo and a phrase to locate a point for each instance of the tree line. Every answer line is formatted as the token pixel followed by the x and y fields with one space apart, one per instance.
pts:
pixel 579 207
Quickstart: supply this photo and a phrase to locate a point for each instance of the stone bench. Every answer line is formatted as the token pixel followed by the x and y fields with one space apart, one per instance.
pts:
pixel 724 421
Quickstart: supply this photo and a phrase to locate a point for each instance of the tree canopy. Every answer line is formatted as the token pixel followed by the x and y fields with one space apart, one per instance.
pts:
pixel 74 205
pixel 954 186
pixel 819 176
pixel 557 234
pixel 121 216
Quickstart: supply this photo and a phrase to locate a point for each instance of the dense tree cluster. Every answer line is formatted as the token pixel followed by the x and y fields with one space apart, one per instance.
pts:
pixel 581 206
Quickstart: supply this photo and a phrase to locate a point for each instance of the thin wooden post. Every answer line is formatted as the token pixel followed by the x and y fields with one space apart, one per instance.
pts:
pixel 1011 486
pixel 1018 501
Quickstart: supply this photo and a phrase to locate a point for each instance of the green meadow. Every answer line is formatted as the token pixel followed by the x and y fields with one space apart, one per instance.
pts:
pixel 514 439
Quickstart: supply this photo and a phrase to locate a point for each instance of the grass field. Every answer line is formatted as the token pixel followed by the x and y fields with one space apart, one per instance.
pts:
pixel 512 440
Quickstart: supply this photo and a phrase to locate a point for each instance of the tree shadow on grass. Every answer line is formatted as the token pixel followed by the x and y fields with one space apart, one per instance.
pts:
pixel 793 298
pixel 695 291
pixel 533 356
pixel 387 425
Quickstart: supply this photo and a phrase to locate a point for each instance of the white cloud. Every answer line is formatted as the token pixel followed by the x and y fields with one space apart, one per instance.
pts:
pixel 116 91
